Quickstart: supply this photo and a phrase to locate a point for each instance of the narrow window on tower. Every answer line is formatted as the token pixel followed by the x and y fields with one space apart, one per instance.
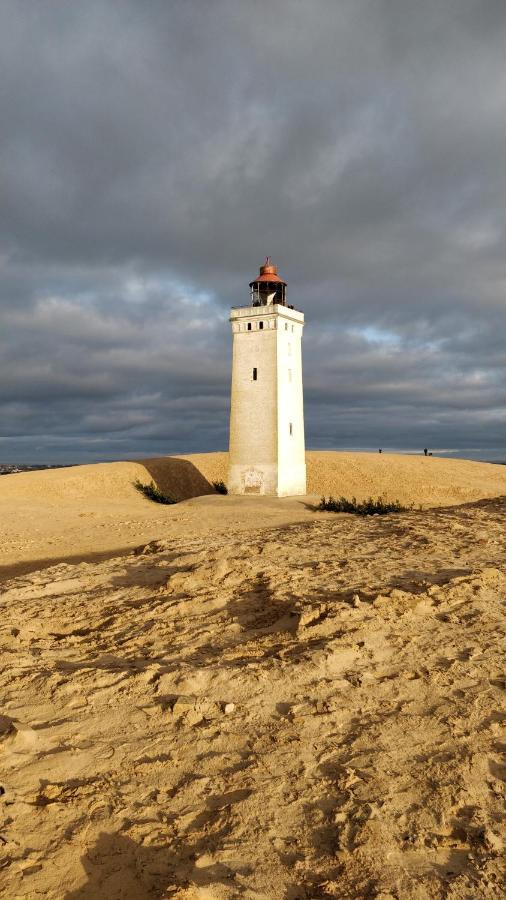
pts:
pixel 286 326
pixel 289 374
pixel 254 374
pixel 260 325
pixel 291 429
pixel 249 326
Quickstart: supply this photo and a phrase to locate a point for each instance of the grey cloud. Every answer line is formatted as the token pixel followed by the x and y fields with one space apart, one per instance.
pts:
pixel 152 154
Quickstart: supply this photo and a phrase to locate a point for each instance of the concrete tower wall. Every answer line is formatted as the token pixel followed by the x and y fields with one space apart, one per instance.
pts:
pixel 267 419
pixel 291 447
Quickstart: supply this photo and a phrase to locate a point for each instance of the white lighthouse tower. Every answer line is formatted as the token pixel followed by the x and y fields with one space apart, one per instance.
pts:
pixel 267 454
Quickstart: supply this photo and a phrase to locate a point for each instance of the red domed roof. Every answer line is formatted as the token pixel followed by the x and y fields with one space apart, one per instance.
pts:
pixel 268 272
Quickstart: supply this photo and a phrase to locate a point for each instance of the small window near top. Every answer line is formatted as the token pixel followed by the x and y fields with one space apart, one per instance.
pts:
pixel 292 328
pixel 260 325
pixel 249 326
pixel 255 373
pixel 286 326
pixel 291 428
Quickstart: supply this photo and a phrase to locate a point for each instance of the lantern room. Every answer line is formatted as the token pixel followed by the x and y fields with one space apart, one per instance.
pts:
pixel 268 288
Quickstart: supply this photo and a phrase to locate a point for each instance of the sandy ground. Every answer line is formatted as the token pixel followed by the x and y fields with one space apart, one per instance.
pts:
pixel 252 699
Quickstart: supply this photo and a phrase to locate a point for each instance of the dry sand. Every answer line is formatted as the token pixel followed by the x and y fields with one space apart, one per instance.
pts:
pixel 259 700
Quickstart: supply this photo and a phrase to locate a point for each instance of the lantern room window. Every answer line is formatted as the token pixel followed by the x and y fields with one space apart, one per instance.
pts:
pixel 268 288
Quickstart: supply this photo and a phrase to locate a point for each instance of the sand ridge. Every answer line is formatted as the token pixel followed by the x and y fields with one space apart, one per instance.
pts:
pixel 423 481
pixel 426 481
pixel 92 511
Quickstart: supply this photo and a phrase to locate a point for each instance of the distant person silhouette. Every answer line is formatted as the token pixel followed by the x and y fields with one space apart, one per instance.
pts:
pixel 425 451
pixel 380 450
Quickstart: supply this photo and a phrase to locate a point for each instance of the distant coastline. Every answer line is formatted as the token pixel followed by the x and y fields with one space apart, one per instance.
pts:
pixel 12 468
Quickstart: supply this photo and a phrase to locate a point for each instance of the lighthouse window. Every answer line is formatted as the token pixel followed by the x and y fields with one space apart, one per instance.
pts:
pixel 260 325
pixel 291 429
pixel 286 326
pixel 289 374
pixel 254 374
pixel 249 326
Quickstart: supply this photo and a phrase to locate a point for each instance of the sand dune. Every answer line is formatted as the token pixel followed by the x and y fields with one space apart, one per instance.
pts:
pixel 426 481
pixel 108 481
pixel 242 697
pixel 94 510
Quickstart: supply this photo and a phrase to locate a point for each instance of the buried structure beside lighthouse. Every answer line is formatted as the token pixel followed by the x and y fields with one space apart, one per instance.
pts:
pixel 267 453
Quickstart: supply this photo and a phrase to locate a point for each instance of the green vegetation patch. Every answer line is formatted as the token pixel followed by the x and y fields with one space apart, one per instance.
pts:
pixel 152 492
pixel 220 487
pixel 368 507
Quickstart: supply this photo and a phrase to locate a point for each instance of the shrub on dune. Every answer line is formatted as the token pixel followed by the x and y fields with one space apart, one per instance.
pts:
pixel 152 492
pixel 368 507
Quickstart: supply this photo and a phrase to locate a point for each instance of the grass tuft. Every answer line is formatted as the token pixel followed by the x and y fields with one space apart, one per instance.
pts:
pixel 220 487
pixel 368 507
pixel 152 492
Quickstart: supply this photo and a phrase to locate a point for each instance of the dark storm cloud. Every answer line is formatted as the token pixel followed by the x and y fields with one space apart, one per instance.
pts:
pixel 150 156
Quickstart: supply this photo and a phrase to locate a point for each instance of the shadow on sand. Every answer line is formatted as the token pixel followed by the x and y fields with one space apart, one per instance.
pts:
pixel 118 868
pixel 176 477
pixel 14 570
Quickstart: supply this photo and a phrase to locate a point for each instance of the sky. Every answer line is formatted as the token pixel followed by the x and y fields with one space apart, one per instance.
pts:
pixel 152 154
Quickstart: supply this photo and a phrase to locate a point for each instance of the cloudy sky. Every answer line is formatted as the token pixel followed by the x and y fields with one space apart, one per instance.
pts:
pixel 152 153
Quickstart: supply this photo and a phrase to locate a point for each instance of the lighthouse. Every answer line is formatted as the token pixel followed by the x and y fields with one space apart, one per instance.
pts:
pixel 267 452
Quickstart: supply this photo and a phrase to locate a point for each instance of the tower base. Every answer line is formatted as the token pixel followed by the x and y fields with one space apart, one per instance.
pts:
pixel 267 480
